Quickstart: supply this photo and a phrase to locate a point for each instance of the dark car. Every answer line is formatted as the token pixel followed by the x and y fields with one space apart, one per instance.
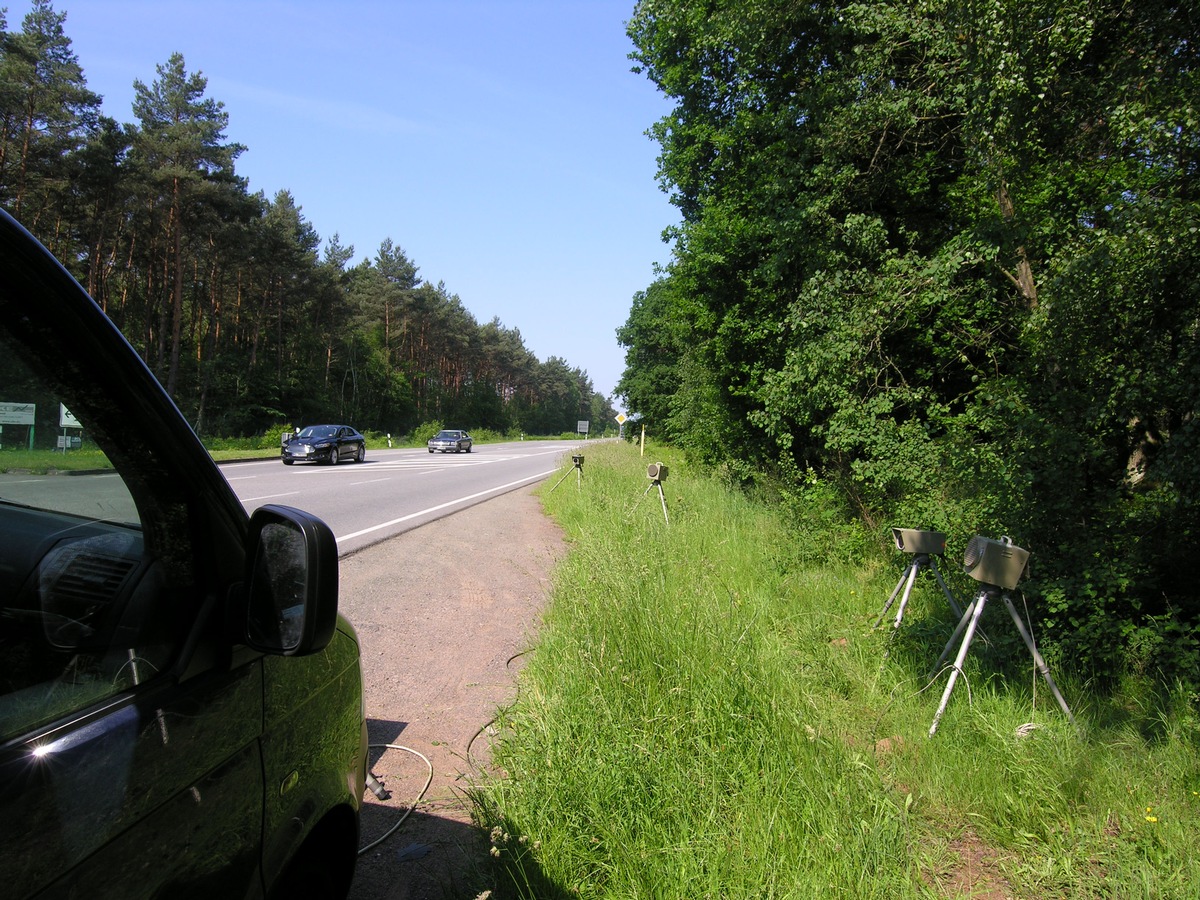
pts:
pixel 181 706
pixel 324 444
pixel 450 439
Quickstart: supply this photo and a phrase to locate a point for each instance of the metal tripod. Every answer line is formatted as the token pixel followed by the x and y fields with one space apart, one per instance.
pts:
pixel 966 629
pixel 579 475
pixel 657 482
pixel 907 578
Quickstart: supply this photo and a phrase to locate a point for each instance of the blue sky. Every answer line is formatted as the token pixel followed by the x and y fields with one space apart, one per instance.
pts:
pixel 500 143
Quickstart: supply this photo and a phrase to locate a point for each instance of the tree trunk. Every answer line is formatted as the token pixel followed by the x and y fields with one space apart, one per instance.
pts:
pixel 176 293
pixel 1023 277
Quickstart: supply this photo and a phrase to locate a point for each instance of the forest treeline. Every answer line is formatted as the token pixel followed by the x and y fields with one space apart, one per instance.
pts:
pixel 938 267
pixel 230 297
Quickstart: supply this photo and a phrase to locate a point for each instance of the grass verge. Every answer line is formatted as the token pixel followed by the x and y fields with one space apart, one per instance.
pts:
pixel 706 713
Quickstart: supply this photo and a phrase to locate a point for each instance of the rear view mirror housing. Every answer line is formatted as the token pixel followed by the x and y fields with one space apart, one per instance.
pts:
pixel 291 582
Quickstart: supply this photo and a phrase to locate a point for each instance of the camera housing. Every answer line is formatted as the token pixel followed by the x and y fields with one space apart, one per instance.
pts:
pixel 578 460
pixel 656 472
pixel 913 540
pixel 1001 562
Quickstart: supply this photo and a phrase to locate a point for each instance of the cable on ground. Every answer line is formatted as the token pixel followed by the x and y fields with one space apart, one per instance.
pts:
pixel 428 781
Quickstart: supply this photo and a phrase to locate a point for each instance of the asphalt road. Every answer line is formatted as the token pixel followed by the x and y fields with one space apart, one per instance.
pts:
pixel 394 491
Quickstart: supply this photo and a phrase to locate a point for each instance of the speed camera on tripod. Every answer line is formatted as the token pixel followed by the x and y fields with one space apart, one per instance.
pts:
pixel 656 472
pixel 1001 562
pixel 999 565
pixel 925 547
pixel 913 540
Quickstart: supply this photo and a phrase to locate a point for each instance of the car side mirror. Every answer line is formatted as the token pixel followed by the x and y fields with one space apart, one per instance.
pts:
pixel 291 582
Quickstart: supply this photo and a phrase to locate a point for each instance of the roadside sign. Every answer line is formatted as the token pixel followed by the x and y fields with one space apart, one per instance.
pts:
pixel 621 417
pixel 17 413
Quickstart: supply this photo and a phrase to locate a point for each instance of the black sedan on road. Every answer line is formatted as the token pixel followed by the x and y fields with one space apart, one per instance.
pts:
pixel 324 444
pixel 449 439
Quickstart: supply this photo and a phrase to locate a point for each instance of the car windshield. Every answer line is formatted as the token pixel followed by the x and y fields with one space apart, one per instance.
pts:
pixel 318 431
pixel 447 435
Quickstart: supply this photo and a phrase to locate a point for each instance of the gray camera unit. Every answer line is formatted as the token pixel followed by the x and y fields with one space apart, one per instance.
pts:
pixel 913 540
pixel 1001 562
pixel 656 472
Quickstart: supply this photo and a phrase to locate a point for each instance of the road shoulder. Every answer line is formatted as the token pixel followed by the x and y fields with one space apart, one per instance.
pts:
pixel 443 613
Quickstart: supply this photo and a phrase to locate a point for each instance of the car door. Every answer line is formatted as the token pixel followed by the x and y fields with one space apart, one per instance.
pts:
pixel 129 723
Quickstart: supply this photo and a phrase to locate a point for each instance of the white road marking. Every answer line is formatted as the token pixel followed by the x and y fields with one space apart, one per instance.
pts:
pixel 441 506
pixel 268 497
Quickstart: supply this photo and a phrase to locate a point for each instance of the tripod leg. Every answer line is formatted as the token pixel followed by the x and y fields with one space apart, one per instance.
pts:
pixel 643 497
pixel 560 481
pixel 895 592
pixel 663 498
pixel 912 576
pixel 1042 668
pixel 975 612
pixel 945 590
pixel 958 630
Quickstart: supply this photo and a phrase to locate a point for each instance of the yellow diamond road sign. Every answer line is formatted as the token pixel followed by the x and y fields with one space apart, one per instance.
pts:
pixel 620 418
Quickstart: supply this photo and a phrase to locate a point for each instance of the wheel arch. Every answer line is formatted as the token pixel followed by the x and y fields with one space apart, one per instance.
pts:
pixel 324 864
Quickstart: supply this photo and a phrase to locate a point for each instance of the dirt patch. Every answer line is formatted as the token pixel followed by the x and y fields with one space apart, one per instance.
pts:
pixel 443 613
pixel 976 872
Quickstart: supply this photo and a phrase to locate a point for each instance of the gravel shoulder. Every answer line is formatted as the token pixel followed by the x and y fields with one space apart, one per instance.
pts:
pixel 443 613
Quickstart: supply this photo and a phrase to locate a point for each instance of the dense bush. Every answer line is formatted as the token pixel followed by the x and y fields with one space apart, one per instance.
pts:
pixel 945 259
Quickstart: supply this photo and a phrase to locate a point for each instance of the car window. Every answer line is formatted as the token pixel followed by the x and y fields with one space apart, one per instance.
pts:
pixel 79 617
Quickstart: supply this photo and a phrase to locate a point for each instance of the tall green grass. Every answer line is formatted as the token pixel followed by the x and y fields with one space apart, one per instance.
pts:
pixel 706 714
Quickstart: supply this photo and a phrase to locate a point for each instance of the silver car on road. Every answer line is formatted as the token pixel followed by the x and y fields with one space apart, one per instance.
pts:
pixel 447 440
